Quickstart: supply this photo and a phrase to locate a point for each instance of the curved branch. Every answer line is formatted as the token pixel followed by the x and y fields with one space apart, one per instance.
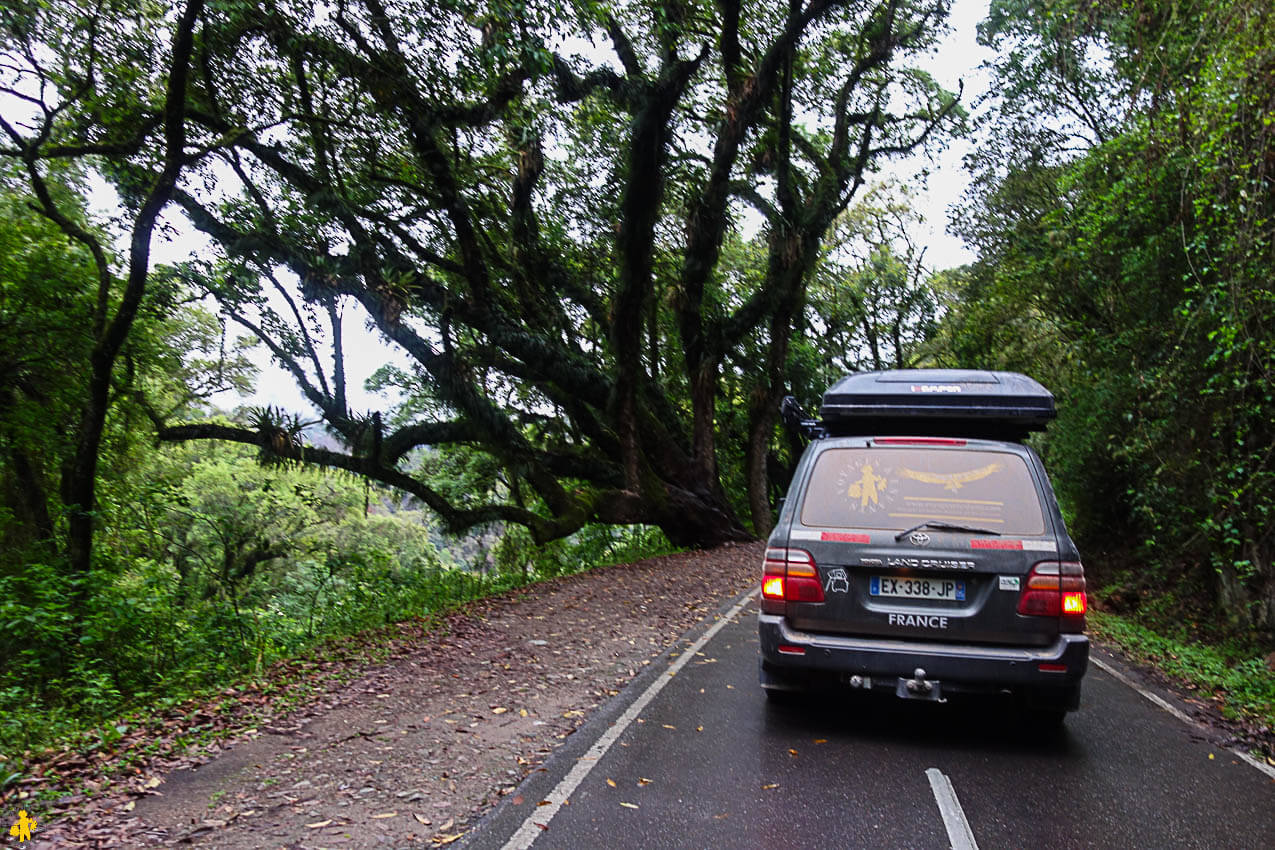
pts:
pixel 409 437
pixel 624 49
pixel 455 519
pixel 609 506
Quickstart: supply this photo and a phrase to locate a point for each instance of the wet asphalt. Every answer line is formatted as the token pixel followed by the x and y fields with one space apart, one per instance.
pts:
pixel 710 763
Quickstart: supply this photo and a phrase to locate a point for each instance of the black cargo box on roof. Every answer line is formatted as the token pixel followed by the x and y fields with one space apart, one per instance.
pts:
pixel 937 402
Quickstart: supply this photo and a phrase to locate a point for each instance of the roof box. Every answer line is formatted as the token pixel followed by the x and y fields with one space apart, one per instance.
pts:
pixel 937 402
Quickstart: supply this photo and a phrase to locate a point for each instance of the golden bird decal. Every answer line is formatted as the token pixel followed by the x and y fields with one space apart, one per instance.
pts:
pixel 952 481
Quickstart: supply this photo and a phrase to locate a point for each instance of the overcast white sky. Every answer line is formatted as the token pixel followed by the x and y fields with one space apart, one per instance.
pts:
pixel 957 58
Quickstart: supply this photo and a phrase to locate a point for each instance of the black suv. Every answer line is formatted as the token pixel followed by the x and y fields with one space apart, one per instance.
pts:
pixel 920 550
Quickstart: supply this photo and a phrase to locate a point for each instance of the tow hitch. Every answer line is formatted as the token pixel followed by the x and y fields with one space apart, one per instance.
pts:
pixel 919 687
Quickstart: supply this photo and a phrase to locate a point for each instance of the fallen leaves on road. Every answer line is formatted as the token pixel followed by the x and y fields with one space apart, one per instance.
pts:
pixel 440 840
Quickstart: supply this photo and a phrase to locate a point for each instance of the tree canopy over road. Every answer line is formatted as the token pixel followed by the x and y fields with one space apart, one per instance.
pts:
pixel 531 201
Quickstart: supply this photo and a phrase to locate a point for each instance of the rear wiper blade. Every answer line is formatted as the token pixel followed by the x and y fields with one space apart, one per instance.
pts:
pixel 945 526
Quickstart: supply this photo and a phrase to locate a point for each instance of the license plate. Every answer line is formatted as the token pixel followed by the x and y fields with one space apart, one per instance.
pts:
pixel 918 588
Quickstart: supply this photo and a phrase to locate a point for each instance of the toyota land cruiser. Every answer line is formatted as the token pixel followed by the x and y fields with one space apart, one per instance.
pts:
pixel 921 551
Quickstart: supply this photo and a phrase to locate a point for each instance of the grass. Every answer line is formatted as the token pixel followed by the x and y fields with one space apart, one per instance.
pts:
pixel 1233 675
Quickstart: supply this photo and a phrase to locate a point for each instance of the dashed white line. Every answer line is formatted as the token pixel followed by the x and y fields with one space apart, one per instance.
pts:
pixel 1180 715
pixel 538 821
pixel 959 834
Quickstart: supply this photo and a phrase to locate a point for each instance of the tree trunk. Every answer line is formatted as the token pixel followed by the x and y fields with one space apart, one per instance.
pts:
pixel 33 495
pixel 760 426
pixel 700 521
pixel 81 487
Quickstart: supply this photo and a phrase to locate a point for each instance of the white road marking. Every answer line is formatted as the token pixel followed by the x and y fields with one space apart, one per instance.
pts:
pixel 959 834
pixel 1180 715
pixel 538 821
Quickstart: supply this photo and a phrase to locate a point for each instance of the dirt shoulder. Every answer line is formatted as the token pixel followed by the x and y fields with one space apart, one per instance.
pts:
pixel 420 747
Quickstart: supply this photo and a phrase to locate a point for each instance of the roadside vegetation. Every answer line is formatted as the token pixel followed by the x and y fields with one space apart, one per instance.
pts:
pixel 599 277
pixel 1231 675
pixel 215 567
pixel 1125 224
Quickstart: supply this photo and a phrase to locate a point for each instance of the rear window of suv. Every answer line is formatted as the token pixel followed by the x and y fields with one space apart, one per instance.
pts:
pixel 896 488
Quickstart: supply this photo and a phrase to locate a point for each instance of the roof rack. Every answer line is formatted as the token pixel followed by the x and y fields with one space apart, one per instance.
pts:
pixel 934 402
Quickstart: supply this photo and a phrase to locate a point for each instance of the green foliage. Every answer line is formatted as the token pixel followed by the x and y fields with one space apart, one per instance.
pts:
pixel 1131 273
pixel 218 566
pixel 176 356
pixel 1234 675
pixel 871 304
pixel 46 292
pixel 515 556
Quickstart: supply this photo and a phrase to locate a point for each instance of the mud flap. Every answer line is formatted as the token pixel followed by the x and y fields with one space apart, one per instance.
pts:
pixel 773 680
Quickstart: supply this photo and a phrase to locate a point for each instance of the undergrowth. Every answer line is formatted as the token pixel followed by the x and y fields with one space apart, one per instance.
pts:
pixel 1234 673
pixel 147 655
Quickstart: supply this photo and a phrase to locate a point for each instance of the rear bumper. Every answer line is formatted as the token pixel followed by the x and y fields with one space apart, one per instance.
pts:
pixel 960 667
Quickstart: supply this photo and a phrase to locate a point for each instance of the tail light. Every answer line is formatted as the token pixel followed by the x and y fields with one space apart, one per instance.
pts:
pixel 789 575
pixel 1056 589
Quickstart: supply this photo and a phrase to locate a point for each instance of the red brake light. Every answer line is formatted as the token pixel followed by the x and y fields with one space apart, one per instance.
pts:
pixel 1055 589
pixel 917 441
pixel 1074 604
pixel 789 575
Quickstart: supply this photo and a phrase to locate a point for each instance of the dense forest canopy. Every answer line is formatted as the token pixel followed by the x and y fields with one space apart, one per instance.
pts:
pixel 1125 226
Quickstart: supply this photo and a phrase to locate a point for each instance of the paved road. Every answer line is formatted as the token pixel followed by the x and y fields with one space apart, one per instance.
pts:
pixel 708 763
